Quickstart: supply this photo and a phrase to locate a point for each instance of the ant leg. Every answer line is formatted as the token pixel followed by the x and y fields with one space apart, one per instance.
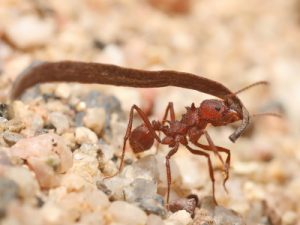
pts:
pixel 212 147
pixel 169 177
pixel 128 132
pixel 210 167
pixel 195 139
pixel 169 109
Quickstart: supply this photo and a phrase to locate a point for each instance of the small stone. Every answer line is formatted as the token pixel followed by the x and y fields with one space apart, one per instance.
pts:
pixel 95 119
pixel 182 217
pixel 11 137
pixel 189 166
pixel 210 213
pixel 14 125
pixel 4 159
pixel 9 191
pixel 143 193
pixel 145 167
pixel 59 121
pixel 154 220
pixel 81 106
pixel 47 155
pixel 289 218
pixel 188 204
pixel 52 213
pixel 139 189
pixel 30 31
pixel 63 91
pixel 116 185
pixel 4 110
pixel 73 182
pixel 127 214
pixel 85 135
pixel 94 218
pixel 223 216
pixel 28 186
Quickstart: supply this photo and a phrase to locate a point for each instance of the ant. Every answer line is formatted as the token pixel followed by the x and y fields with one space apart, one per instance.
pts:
pixel 188 129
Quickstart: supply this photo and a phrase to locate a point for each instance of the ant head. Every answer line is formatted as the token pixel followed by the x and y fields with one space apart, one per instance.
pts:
pixel 217 112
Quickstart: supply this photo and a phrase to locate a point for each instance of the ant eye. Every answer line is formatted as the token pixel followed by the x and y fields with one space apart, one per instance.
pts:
pixel 217 108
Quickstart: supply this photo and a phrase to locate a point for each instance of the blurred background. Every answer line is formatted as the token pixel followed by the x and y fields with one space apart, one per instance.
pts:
pixel 233 42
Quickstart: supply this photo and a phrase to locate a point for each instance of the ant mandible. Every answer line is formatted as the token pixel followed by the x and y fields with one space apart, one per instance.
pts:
pixel 187 130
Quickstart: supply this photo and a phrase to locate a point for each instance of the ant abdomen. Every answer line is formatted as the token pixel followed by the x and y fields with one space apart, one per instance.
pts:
pixel 141 139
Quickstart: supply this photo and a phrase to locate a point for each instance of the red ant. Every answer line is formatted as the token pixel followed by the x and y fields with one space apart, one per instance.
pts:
pixel 187 130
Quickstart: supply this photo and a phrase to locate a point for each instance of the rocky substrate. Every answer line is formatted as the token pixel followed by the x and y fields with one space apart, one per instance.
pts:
pixel 60 142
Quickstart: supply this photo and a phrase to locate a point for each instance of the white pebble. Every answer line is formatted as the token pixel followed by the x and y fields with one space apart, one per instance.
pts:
pixel 289 218
pixel 59 121
pixel 85 135
pixel 95 119
pixel 52 213
pixel 63 91
pixel 30 31
pixel 127 214
pixel 181 217
pixel 25 180
pixel 154 220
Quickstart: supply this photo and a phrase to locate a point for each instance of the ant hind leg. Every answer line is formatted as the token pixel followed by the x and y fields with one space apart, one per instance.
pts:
pixel 128 133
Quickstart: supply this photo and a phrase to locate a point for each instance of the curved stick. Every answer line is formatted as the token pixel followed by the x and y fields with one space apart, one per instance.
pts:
pixel 73 71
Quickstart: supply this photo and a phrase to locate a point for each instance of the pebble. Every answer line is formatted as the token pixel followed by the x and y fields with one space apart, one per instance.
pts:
pixel 127 214
pixel 188 204
pixel 95 119
pixel 63 91
pixel 47 155
pixel 140 188
pixel 290 218
pixel 28 186
pixel 59 121
pixel 9 191
pixel 154 220
pixel 14 125
pixel 4 110
pixel 85 135
pixel 86 165
pixel 225 49
pixel 211 213
pixel 52 213
pixel 11 137
pixel 30 31
pixel 189 167
pixel 73 182
pixel 181 217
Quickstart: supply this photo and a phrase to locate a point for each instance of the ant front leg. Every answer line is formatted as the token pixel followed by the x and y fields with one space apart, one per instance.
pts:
pixel 210 167
pixel 214 148
pixel 129 131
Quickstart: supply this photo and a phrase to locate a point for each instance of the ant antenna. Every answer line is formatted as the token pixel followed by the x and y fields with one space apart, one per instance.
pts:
pixel 267 114
pixel 248 87
pixel 251 85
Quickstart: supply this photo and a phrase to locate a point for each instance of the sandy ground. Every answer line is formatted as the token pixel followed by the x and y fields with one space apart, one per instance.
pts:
pixel 233 42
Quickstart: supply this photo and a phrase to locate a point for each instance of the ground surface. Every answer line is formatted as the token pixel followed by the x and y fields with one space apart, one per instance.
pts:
pixel 57 176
